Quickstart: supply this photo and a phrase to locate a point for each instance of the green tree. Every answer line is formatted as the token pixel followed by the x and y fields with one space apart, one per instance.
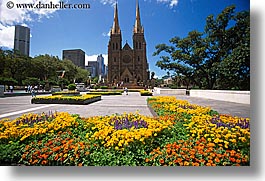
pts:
pixel 82 75
pixel 15 65
pixel 70 70
pixel 216 58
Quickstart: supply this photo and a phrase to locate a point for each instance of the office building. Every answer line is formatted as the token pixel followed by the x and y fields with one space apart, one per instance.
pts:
pixel 77 56
pixel 100 66
pixel 22 39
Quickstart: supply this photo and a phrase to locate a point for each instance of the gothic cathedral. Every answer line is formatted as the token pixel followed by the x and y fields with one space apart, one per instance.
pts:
pixel 127 66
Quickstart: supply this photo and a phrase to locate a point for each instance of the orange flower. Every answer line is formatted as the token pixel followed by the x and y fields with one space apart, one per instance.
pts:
pixel 56 157
pixel 208 164
pixel 210 161
pixel 34 162
pixel 238 161
pixel 195 164
pixel 211 145
pixel 232 153
pixel 244 160
pixel 56 149
pixel 186 163
pixel 217 160
pixel 23 156
pixel 80 164
pixel 161 161
pixel 146 160
pixel 168 151
pixel 44 162
pixel 87 153
pixel 232 159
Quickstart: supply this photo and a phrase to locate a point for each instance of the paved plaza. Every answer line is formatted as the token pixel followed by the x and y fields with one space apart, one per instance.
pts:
pixel 13 107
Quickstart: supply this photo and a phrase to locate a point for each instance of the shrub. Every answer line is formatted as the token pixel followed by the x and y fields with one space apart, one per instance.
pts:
pixel 103 87
pixel 71 87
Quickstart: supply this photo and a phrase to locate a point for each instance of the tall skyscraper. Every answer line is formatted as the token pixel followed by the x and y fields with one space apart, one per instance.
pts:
pixel 125 64
pixel 22 39
pixel 92 67
pixel 97 68
pixel 101 66
pixel 77 56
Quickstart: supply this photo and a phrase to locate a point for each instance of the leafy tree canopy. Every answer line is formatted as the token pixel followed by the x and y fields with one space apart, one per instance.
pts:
pixel 218 58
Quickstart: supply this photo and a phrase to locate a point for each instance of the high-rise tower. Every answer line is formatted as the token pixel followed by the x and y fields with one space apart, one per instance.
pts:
pixel 22 39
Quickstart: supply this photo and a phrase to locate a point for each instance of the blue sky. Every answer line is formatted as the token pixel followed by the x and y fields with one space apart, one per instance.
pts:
pixel 87 29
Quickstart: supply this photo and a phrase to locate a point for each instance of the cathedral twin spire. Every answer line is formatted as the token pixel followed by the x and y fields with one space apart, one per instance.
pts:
pixel 116 27
pixel 137 26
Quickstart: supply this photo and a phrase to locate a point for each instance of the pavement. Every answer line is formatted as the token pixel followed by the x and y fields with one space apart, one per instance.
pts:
pixel 13 107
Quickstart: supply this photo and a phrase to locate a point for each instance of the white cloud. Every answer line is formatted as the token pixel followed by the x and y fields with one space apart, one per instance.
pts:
pixel 171 3
pixel 94 58
pixel 111 2
pixel 106 34
pixel 7 34
pixel 21 16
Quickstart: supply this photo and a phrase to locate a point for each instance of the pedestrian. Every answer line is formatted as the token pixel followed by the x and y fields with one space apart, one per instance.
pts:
pixel 33 92
pixel 29 88
pixel 11 88
pixel 126 90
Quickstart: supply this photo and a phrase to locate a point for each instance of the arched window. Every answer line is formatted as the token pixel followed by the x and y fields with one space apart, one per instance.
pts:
pixel 116 46
pixel 140 45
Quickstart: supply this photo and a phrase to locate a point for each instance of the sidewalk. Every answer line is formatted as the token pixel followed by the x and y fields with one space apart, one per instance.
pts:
pixel 223 107
pixel 13 107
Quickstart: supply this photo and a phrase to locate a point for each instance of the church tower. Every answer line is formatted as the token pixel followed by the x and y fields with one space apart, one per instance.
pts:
pixel 127 66
pixel 139 47
pixel 114 50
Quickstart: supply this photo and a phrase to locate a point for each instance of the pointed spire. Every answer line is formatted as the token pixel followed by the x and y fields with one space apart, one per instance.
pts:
pixel 138 27
pixel 116 28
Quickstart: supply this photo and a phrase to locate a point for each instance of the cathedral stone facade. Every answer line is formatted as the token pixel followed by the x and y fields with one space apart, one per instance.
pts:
pixel 127 66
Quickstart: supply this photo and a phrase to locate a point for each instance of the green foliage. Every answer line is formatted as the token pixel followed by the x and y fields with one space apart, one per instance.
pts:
pixel 173 86
pixel 44 68
pixel 71 87
pixel 103 87
pixel 10 153
pixel 7 81
pixel 218 58
pixel 31 81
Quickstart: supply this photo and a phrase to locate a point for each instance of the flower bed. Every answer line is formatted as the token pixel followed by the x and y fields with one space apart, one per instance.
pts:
pixel 106 90
pixel 67 93
pixel 182 134
pixel 211 139
pixel 146 93
pixel 106 93
pixel 62 99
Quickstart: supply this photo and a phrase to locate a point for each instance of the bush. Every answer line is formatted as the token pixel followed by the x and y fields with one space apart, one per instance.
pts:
pixel 71 87
pixel 103 87
pixel 173 86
